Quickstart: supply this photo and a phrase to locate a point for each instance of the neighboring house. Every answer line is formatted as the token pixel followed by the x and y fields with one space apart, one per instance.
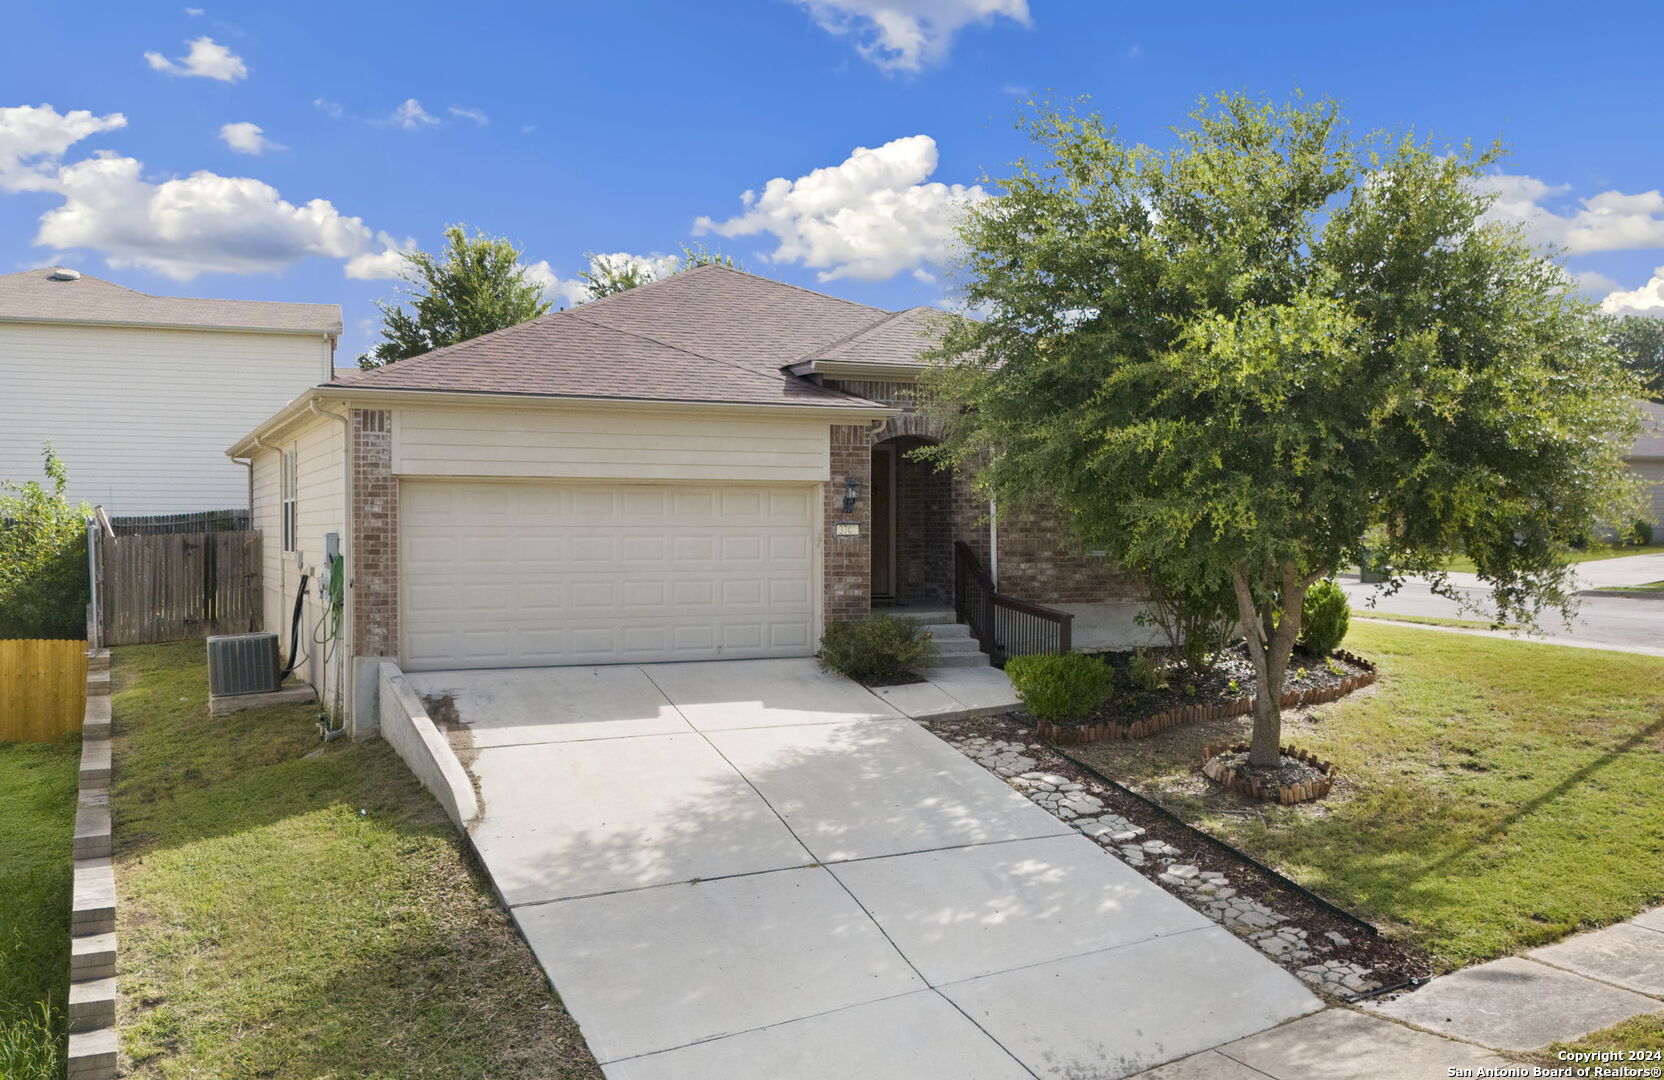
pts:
pixel 1646 457
pixel 140 394
pixel 711 466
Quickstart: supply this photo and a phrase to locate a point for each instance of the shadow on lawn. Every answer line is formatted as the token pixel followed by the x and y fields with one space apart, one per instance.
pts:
pixel 1539 802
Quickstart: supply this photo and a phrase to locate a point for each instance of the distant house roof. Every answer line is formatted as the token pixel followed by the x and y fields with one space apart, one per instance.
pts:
pixel 711 334
pixel 38 296
pixel 1650 443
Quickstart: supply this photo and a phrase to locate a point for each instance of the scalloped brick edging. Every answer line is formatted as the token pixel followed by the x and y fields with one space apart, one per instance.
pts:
pixel 1287 794
pixel 1076 734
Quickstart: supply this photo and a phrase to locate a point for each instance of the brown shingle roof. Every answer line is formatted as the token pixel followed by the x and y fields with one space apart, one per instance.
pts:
pixel 710 334
pixel 897 339
pixel 32 296
pixel 567 354
pixel 719 312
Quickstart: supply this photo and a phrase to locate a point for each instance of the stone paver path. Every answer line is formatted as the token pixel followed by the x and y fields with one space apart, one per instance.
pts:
pixel 752 870
pixel 1270 931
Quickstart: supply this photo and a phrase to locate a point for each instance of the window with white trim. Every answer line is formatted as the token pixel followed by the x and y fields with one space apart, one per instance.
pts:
pixel 291 487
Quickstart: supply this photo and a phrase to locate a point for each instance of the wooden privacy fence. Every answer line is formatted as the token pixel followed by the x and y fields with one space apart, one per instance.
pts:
pixel 173 586
pixel 43 686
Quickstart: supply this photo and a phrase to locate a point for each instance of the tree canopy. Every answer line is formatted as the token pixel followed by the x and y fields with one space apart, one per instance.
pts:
pixel 1639 340
pixel 472 287
pixel 609 274
pixel 1242 360
pixel 43 557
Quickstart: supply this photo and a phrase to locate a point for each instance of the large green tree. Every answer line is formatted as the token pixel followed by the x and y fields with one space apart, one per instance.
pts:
pixel 474 286
pixel 1243 358
pixel 1639 340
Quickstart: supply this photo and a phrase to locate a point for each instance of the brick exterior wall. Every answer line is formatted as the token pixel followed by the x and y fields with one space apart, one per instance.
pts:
pixel 1037 559
pixel 375 535
pixel 846 581
pixel 1039 562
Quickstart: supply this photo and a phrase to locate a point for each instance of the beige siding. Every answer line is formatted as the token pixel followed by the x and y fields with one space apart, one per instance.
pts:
pixel 320 508
pixel 608 444
pixel 141 416
pixel 1652 475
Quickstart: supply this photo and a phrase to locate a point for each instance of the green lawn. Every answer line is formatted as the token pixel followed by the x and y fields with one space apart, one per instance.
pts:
pixel 1428 620
pixel 1638 1033
pixel 37 807
pixel 294 911
pixel 1463 564
pixel 1495 794
pixel 1651 586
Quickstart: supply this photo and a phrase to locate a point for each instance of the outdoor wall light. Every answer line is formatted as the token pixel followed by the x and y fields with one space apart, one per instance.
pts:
pixel 852 492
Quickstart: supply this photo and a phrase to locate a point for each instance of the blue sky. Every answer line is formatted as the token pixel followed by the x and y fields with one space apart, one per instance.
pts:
pixel 616 128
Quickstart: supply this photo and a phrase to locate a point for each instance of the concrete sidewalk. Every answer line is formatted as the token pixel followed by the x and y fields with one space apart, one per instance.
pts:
pixel 756 871
pixel 1557 993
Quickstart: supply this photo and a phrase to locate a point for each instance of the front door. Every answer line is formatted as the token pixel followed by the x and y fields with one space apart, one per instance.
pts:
pixel 884 522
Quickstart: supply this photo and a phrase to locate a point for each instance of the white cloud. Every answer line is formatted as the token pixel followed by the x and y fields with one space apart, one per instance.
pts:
pixel 207 60
pixel 411 116
pixel 1610 221
pixel 1647 300
pixel 247 138
pixel 387 263
pixel 570 292
pixel 193 12
pixel 333 108
pixel 179 227
pixel 869 218
pixel 465 112
pixel 906 35
pixel 33 139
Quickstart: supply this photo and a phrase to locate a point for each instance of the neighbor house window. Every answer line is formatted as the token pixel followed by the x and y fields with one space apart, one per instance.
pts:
pixel 291 485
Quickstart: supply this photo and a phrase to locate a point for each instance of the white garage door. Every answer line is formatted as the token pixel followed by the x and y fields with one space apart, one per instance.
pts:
pixel 527 573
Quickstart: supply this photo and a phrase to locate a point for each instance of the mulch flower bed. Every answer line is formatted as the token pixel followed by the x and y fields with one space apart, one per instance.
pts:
pixel 1225 689
pixel 1297 777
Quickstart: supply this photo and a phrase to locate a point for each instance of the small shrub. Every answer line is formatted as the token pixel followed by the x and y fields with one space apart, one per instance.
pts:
pixel 43 558
pixel 1643 532
pixel 1145 672
pixel 1063 687
pixel 1324 616
pixel 883 648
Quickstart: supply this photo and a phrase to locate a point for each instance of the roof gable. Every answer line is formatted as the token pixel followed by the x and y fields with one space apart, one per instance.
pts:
pixel 717 311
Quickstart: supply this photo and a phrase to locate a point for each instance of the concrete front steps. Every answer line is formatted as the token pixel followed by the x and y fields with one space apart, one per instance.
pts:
pixel 953 638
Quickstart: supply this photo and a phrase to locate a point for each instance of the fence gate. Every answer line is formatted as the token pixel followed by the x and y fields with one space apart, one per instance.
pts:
pixel 170 586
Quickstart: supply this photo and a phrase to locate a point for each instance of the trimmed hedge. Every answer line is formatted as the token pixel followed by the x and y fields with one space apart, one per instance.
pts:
pixel 882 648
pixel 1063 687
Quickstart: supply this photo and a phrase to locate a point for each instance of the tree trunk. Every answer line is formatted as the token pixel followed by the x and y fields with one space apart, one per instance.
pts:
pixel 1271 633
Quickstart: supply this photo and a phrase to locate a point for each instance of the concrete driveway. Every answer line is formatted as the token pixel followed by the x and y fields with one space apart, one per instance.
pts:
pixel 750 869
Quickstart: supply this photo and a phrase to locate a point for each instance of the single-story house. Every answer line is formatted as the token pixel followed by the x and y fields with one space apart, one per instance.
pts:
pixel 1646 458
pixel 712 466
pixel 139 394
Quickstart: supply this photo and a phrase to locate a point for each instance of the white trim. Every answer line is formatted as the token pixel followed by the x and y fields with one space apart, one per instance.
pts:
pixel 347 395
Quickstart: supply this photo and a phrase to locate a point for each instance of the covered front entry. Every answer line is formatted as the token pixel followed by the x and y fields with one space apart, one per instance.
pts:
pixel 912 527
pixel 534 573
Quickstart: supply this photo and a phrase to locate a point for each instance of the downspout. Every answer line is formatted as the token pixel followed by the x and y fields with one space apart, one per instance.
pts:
pixel 331 734
pixel 993 544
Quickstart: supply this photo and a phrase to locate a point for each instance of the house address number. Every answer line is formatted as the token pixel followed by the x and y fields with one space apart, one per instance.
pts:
pixel 848 528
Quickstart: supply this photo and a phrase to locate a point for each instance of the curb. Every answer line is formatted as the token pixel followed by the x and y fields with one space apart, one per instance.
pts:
pixel 93 1047
pixel 1625 594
